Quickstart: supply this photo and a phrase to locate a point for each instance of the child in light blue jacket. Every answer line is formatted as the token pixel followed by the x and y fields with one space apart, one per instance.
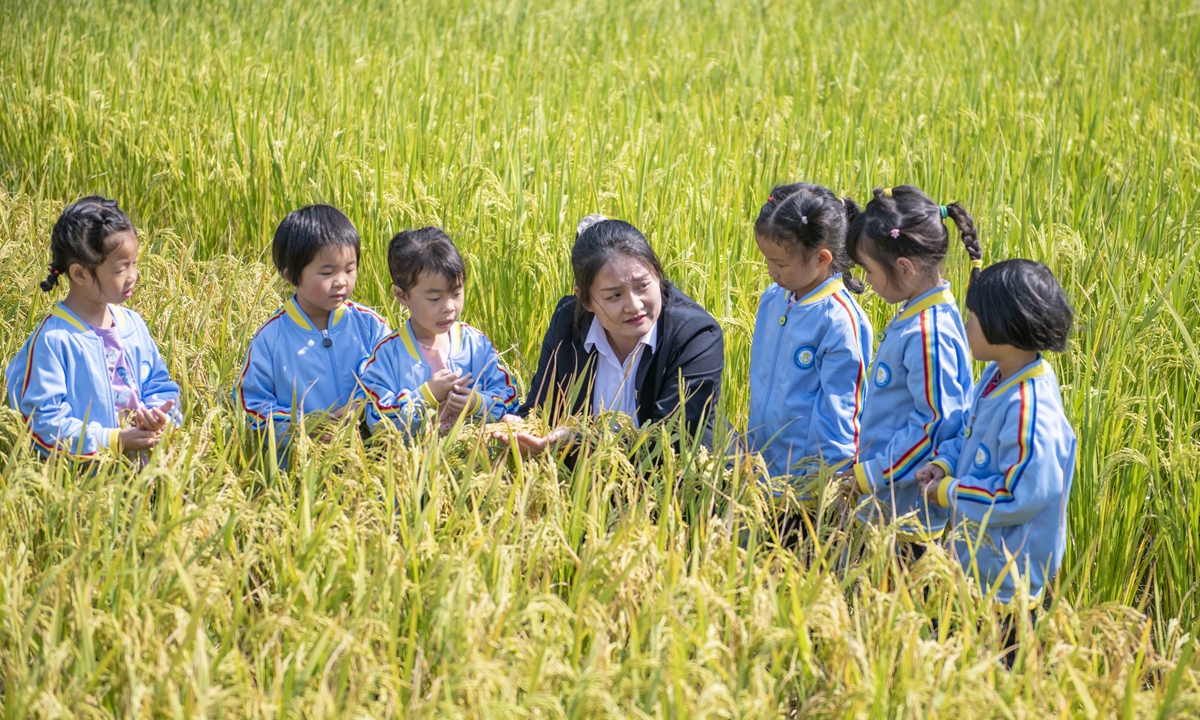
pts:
pixel 812 341
pixel 308 356
pixel 920 377
pixel 434 363
pixel 1009 470
pixel 90 377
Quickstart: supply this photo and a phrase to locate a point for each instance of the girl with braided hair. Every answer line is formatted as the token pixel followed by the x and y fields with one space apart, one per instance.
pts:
pixel 90 377
pixel 920 378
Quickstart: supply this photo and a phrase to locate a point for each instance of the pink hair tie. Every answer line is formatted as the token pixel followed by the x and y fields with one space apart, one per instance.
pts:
pixel 770 198
pixel 895 233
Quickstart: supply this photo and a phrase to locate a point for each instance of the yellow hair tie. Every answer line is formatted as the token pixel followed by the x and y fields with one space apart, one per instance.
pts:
pixel 977 264
pixel 887 192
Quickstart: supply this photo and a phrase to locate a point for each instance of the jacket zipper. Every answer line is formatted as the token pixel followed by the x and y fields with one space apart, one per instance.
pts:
pixel 111 405
pixel 783 320
pixel 327 344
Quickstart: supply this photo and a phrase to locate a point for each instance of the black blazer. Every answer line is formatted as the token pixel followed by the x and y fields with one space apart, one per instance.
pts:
pixel 689 341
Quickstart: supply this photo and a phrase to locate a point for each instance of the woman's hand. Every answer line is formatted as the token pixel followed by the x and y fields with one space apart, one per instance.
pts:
pixel 530 444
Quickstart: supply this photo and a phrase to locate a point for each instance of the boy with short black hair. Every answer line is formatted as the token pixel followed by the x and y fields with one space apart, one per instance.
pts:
pixel 307 357
pixel 433 361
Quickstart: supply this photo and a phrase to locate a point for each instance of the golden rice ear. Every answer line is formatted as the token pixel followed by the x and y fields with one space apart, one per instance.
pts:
pixel 587 222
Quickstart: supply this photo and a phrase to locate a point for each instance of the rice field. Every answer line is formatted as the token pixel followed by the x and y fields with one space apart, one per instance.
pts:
pixel 447 579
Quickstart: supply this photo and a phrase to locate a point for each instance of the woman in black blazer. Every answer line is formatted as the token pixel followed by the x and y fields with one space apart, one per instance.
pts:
pixel 619 284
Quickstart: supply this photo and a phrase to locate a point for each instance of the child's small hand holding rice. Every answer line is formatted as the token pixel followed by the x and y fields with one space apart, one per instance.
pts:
pixel 929 477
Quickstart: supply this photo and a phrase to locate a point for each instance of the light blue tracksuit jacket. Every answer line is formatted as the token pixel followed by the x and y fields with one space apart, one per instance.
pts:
pixel 61 385
pixel 917 392
pixel 1009 473
pixel 292 368
pixel 395 379
pixel 808 377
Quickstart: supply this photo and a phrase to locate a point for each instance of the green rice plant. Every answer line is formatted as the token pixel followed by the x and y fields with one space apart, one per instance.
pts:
pixel 446 578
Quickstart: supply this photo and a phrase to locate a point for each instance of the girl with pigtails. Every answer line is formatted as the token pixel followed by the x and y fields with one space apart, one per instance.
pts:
pixel 920 378
pixel 90 377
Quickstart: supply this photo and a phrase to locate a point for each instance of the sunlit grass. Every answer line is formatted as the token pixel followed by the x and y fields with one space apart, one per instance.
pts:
pixel 209 583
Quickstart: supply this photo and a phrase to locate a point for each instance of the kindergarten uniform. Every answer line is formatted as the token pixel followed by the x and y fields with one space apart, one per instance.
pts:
pixel 1010 471
pixel 917 393
pixel 292 368
pixel 395 379
pixel 72 382
pixel 808 376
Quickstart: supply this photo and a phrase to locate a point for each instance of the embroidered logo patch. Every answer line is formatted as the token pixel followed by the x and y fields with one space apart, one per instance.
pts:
pixel 144 371
pixel 806 356
pixel 883 375
pixel 982 457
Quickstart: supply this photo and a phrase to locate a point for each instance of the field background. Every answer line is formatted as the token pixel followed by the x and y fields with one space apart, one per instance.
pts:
pixel 208 584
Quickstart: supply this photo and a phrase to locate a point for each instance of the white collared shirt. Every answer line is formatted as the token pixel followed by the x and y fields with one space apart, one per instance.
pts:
pixel 615 385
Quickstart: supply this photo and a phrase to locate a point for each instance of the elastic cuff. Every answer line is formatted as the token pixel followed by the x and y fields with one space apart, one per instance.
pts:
pixel 944 489
pixel 945 466
pixel 860 474
pixel 428 395
pixel 924 537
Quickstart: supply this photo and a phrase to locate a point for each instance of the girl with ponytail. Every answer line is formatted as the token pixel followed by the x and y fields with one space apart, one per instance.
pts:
pixel 812 341
pixel 90 377
pixel 920 378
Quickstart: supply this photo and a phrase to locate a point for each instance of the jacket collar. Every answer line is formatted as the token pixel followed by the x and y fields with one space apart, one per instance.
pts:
pixel 1037 368
pixel 409 338
pixel 63 313
pixel 298 316
pixel 939 295
pixel 597 339
pixel 823 290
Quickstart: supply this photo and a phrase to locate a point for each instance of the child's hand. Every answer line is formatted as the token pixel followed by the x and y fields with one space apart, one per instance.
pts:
pixel 929 490
pixel 461 398
pixel 136 438
pixel 848 483
pixel 930 473
pixel 443 382
pixel 154 419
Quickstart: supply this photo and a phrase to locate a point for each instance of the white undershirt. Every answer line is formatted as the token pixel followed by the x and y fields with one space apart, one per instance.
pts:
pixel 616 382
